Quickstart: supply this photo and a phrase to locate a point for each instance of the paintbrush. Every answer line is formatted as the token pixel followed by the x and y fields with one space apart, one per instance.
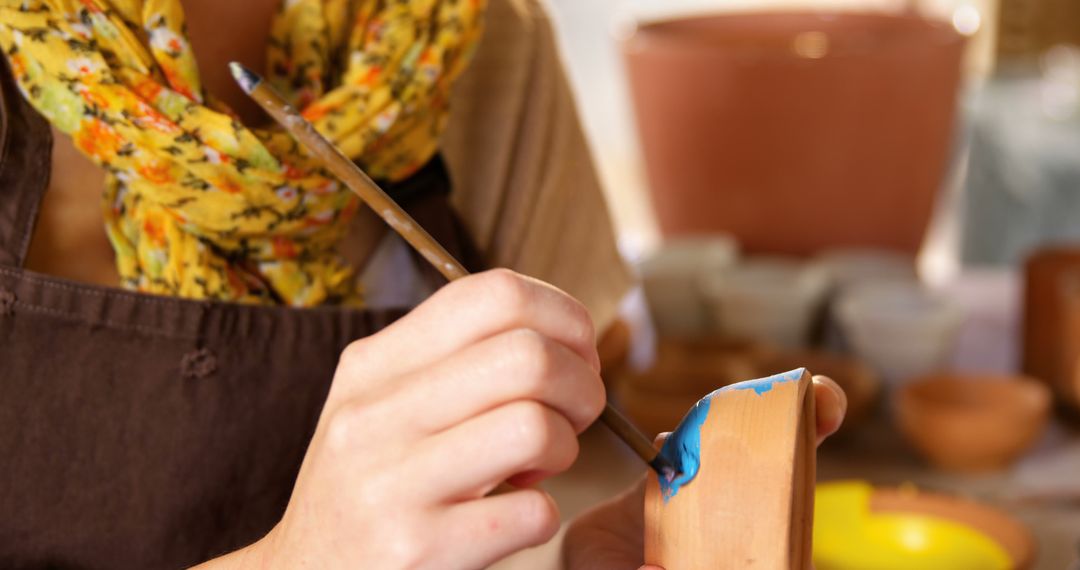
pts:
pixel 363 186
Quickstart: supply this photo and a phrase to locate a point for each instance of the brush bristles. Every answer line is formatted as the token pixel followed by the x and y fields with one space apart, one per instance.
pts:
pixel 246 78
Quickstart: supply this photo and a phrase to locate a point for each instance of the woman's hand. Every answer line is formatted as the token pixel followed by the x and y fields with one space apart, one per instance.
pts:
pixel 610 536
pixel 491 380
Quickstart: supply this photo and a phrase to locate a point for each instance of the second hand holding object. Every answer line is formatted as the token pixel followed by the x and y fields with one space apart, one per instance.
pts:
pixel 401 222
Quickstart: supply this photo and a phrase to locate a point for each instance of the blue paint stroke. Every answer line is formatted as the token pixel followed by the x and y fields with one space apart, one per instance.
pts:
pixel 683 447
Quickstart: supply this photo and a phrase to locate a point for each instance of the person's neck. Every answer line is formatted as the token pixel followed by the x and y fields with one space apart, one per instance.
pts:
pixel 222 31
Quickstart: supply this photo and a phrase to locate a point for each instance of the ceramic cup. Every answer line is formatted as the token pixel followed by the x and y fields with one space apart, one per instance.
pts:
pixel 767 299
pixel 901 329
pixel 671 278
pixel 848 268
pixel 851 268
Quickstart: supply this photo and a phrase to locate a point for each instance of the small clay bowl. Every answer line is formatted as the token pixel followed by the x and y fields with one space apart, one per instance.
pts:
pixel 972 423
pixel 860 383
pixel 684 371
pixel 697 365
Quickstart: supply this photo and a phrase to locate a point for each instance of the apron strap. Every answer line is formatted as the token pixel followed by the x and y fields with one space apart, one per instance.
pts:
pixel 25 166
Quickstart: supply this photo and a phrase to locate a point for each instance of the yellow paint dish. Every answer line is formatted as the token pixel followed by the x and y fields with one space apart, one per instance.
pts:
pixel 849 536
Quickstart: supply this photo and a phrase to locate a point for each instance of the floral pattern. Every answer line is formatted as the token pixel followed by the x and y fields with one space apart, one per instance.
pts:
pixel 197 205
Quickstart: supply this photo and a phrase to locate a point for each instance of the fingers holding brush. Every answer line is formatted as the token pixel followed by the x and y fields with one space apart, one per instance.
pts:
pixel 488 382
pixel 520 365
pixel 500 525
pixel 475 308
pixel 521 442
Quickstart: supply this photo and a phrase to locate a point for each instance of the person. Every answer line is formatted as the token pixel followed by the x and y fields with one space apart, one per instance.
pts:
pixel 193 372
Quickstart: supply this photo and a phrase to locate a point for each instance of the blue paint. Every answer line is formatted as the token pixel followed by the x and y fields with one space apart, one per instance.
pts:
pixel 764 385
pixel 683 447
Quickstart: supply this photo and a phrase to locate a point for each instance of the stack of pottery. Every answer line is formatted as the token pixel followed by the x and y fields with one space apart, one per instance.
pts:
pixel 672 275
pixel 771 300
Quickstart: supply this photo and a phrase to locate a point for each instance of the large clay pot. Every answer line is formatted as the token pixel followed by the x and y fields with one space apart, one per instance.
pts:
pixel 796 132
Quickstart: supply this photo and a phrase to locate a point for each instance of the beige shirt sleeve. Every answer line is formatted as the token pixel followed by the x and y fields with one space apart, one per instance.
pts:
pixel 524 179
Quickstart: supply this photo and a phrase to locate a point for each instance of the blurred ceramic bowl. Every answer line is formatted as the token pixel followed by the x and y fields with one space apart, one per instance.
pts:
pixel 972 422
pixel 860 383
pixel 767 299
pixel 851 268
pixel 858 526
pixel 901 329
pixel 847 268
pixel 671 279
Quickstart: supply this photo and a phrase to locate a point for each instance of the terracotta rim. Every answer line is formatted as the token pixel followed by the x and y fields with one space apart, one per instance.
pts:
pixel 1029 395
pixel 896 34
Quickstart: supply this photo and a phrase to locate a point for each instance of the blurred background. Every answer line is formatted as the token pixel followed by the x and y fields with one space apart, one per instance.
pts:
pixel 884 191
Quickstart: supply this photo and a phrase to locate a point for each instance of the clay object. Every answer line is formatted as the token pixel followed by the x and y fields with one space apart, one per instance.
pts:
pixel 860 383
pixel 753 123
pixel 972 423
pixel 683 372
pixel 1047 287
pixel 745 496
pixel 767 299
pixel 1013 536
pixel 858 526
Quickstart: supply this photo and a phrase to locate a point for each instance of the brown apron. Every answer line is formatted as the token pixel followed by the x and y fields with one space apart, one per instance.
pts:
pixel 149 432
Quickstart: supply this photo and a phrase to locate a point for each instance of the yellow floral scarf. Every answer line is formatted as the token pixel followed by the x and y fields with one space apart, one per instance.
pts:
pixel 199 206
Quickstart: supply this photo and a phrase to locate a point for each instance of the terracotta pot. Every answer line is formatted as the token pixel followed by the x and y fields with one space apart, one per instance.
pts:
pixel 796 132
pixel 1052 320
pixel 973 423
pixel 860 383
